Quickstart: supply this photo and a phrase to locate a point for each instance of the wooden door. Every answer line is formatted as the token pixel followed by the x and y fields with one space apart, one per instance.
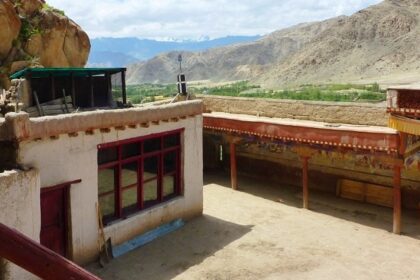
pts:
pixel 54 219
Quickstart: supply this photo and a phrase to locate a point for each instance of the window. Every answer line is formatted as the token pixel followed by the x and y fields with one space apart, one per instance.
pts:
pixel 138 173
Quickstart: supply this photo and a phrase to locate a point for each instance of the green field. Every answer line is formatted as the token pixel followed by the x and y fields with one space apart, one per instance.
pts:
pixel 329 92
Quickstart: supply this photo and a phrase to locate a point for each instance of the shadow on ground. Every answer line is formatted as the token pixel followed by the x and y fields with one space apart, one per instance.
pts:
pixel 174 253
pixel 323 203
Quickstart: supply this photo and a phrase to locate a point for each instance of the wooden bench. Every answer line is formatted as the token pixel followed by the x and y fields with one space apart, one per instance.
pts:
pixel 366 192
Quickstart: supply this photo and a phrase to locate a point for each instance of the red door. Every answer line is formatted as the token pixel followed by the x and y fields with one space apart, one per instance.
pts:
pixel 54 219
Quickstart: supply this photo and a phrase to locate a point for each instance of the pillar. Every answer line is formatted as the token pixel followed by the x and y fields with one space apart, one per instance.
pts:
pixel 397 199
pixel 233 167
pixel 123 85
pixel 305 182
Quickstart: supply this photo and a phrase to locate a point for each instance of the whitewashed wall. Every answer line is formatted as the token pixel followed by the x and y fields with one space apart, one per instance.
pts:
pixel 70 158
pixel 20 210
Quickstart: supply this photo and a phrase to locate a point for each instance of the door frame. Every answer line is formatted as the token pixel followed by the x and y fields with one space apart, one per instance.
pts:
pixel 67 212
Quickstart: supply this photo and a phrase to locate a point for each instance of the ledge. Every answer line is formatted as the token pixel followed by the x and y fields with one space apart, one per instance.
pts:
pixel 19 127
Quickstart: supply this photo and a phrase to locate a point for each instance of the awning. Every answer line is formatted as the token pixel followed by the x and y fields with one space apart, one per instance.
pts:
pixel 403 124
pixel 64 72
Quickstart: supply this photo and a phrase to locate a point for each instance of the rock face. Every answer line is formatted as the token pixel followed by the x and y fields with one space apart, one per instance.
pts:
pixel 10 27
pixel 34 34
pixel 377 44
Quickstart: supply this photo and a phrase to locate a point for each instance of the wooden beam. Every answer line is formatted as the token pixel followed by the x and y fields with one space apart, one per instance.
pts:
pixel 397 199
pixel 52 79
pixel 123 85
pixel 305 185
pixel 37 259
pixel 349 138
pixel 109 88
pixel 73 89
pixel 92 97
pixel 233 167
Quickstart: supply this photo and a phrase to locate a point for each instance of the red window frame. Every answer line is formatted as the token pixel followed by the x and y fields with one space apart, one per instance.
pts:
pixel 139 159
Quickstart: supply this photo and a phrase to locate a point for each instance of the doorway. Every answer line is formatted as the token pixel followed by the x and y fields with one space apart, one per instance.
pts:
pixel 54 218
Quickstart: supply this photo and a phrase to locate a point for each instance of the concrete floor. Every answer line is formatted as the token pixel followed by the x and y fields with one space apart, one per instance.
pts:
pixel 260 232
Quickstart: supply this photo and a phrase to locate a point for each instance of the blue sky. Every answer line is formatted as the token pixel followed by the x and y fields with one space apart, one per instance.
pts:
pixel 197 19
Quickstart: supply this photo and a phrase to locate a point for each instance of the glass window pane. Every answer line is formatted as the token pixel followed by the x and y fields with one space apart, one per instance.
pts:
pixel 150 190
pixel 130 150
pixel 168 185
pixel 129 174
pixel 129 199
pixel 107 206
pixel 171 141
pixel 150 167
pixel 151 145
pixel 106 180
pixel 107 155
pixel 169 162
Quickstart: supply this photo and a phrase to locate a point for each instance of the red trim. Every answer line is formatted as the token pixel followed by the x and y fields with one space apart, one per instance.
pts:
pixel 139 159
pixel 60 186
pixel 138 139
pixel 37 259
pixel 343 138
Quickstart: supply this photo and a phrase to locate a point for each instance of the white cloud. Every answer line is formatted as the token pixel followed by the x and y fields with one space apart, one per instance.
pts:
pixel 192 19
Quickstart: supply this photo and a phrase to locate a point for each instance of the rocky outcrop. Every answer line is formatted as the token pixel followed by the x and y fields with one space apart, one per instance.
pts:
pixel 35 34
pixel 10 27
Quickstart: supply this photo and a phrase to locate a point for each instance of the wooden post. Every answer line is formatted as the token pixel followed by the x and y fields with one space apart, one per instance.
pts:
pixel 73 90
pixel 397 199
pixel 109 89
pixel 37 259
pixel 123 85
pixel 233 167
pixel 305 153
pixel 52 87
pixel 92 97
pixel 305 182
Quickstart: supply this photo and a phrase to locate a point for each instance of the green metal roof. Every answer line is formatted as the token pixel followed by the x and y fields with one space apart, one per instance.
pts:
pixel 64 72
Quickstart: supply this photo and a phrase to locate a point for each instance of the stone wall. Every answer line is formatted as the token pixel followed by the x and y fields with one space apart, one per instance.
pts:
pixel 20 210
pixel 331 112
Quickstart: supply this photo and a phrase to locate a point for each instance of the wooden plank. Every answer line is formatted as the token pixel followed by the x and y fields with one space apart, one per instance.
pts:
pixel 58 101
pixel 360 191
pixel 379 195
pixel 37 259
pixel 351 190
pixel 38 106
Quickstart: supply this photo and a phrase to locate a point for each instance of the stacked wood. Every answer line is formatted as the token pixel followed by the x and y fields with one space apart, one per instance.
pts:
pixel 50 108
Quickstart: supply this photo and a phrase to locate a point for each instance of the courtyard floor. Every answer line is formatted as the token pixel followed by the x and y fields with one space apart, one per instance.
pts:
pixel 260 232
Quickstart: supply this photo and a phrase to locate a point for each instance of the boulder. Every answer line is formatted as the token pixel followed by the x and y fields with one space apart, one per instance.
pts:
pixel 62 43
pixel 10 27
pixel 29 7
pixel 33 33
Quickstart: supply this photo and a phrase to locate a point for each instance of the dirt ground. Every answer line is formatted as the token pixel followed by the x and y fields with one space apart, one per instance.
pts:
pixel 260 232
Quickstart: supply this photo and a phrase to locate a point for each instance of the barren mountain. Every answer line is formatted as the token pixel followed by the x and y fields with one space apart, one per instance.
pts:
pixel 377 43
pixel 239 61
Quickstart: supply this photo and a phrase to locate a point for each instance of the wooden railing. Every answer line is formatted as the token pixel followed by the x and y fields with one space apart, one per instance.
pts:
pixel 37 259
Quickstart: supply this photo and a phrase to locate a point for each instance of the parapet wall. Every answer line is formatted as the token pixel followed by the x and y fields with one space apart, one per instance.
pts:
pixel 20 210
pixel 19 127
pixel 330 112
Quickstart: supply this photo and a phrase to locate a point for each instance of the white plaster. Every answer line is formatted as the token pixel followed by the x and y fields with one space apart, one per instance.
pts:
pixel 71 158
pixel 20 210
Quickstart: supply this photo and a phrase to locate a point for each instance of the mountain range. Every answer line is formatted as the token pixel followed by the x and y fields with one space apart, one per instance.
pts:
pixel 378 43
pixel 118 52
